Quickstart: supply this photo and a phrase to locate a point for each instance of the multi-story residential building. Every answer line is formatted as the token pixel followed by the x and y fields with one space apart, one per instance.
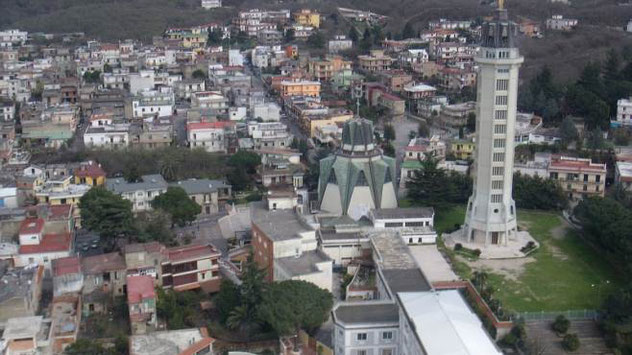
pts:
pixel 206 193
pixel 578 177
pixel 286 247
pixel 416 151
pixel 151 135
pixel 456 78
pixel 324 70
pixel 109 136
pixel 366 328
pixel 623 174
pixel 210 136
pixel 37 247
pixel 268 111
pixel 463 149
pixel 558 22
pixel 7 110
pixel 141 193
pixel 157 103
pixel 307 17
pixel 185 88
pixel 412 57
pixel 300 88
pixel 269 37
pixel 9 38
pixel 211 4
pixel 339 43
pixel 446 24
pixel 310 122
pixel 374 62
pixel 104 277
pixel 395 80
pixel 377 95
pixel 210 99
pixel 269 135
pixel 624 112
pixel 141 301
pixel 191 267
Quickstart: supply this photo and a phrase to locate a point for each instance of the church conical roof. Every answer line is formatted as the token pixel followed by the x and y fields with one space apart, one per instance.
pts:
pixel 357 136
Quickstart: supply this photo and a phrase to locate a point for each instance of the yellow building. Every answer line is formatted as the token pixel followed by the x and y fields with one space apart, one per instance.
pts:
pixel 89 173
pixel 324 70
pixel 307 17
pixel 578 177
pixel 463 149
pixel 310 124
pixel 300 88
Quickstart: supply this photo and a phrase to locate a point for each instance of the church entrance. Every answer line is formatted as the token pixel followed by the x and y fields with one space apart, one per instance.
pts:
pixel 494 237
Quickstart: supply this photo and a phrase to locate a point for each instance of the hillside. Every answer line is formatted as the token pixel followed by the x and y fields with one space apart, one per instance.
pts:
pixel 600 21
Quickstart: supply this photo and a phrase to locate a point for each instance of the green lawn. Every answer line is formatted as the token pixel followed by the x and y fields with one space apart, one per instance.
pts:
pixel 563 275
pixel 445 220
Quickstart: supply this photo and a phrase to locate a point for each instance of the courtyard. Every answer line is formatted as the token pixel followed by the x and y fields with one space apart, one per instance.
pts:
pixel 565 273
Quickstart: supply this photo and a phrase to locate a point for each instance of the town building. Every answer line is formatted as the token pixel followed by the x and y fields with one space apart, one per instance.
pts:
pixel 376 61
pixel 414 225
pixel 210 136
pixel 623 174
pixel 307 17
pixel 27 335
pixel 191 341
pixel 191 267
pixel 559 23
pixel 12 38
pixel 300 88
pixel 153 103
pixel 358 177
pixel 339 43
pixel 211 4
pixel 210 99
pixel 624 112
pixel 140 193
pixel 209 194
pixel 89 173
pixel 578 177
pixel 103 279
pixel 491 211
pixel 269 135
pixel 366 328
pixel 141 302
pixel 325 69
pixel 417 150
pixel 38 247
pixel 21 292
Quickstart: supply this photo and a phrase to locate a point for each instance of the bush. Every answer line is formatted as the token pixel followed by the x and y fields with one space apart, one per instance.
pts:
pixel 561 324
pixel 477 252
pixel 570 342
pixel 458 246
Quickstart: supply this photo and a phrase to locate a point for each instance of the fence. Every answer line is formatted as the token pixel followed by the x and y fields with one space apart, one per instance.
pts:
pixel 582 314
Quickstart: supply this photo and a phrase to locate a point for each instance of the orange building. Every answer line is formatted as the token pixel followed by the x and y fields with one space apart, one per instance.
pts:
pixel 300 88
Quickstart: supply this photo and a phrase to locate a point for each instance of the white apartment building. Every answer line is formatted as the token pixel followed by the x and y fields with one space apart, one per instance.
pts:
pixel 366 328
pixel 14 36
pixel 558 22
pixel 211 4
pixel 339 43
pixel 159 103
pixel 142 193
pixel 235 58
pixel 414 225
pixel 7 110
pixel 269 135
pixel 210 99
pixel 109 136
pixel 624 111
pixel 269 111
pixel 210 136
pixel 185 88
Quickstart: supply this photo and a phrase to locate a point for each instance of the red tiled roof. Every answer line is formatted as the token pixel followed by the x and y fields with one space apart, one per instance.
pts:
pixel 32 226
pixel 193 349
pixel 572 164
pixel 151 247
pixel 192 252
pixel 90 169
pixel 209 125
pixel 49 243
pixel 65 266
pixel 97 264
pixel 140 288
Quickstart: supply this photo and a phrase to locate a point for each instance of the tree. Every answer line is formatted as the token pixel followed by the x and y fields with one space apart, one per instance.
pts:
pixel 408 31
pixel 568 131
pixel 239 180
pixel 176 308
pixel 561 324
pixel 316 40
pixel 412 135
pixel 423 130
pixel 291 305
pixel 570 342
pixel 433 186
pixel 289 35
pixel 107 68
pixel 106 213
pixel 621 136
pixel 471 122
pixel 177 203
pixel 537 193
pixel 92 77
pixel 595 139
pixel 353 34
pixel 389 132
pixel 389 150
pixel 227 299
pixel 153 226
pixel 215 36
pixel 199 74
pixel 612 65
pixel 248 161
pixel 550 110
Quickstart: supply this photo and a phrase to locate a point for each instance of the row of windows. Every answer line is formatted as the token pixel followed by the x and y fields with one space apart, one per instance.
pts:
pixel 497 198
pixel 501 100
pixel 499 157
pixel 385 336
pixel 502 84
pixel 498 171
pixel 499 143
pixel 500 129
pixel 500 114
pixel 497 184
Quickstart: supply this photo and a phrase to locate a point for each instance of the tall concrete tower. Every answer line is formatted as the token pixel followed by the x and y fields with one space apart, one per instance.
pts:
pixel 491 212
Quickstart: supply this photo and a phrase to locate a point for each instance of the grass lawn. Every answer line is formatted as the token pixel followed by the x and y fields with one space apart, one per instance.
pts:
pixel 562 275
pixel 445 220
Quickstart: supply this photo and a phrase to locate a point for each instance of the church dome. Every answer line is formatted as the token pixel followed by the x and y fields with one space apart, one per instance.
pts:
pixel 357 137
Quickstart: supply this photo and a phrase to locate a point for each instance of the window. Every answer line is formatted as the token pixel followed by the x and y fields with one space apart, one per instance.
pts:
pixel 387 352
pixel 414 224
pixel 585 188
pixel 499 143
pixel 500 129
pixel 497 184
pixel 387 335
pixel 393 224
pixel 501 100
pixel 597 178
pixel 500 114
pixel 502 84
pixel 499 157
pixel 361 336
pixel 497 198
pixel 361 352
pixel 553 176
pixel 498 171
pixel 585 177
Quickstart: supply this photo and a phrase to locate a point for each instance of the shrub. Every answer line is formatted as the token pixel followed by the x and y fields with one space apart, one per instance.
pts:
pixel 570 342
pixel 561 324
pixel 458 246
pixel 477 252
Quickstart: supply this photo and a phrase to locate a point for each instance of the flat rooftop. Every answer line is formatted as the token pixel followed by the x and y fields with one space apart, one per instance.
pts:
pixel 278 225
pixel 371 312
pixel 303 265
